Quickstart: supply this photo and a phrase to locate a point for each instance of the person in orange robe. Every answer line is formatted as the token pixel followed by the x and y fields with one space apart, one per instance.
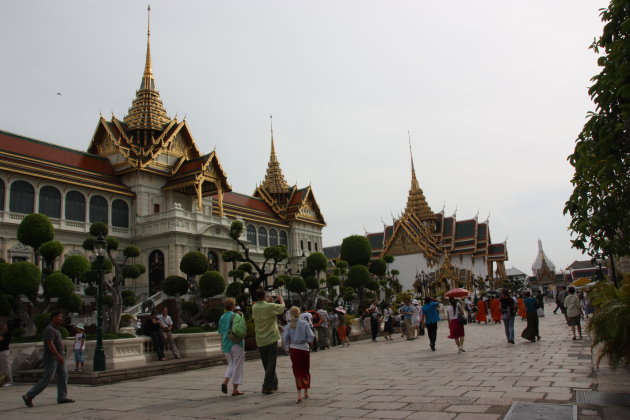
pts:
pixel 481 311
pixel 495 310
pixel 522 310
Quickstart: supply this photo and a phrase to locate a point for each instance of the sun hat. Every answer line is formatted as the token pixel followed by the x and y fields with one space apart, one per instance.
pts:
pixel 80 326
pixel 340 309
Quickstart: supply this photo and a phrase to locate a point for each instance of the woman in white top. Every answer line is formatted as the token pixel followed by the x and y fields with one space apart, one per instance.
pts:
pixel 388 319
pixel 415 318
pixel 456 329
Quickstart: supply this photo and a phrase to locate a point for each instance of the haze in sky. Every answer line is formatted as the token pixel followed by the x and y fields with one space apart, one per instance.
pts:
pixel 492 92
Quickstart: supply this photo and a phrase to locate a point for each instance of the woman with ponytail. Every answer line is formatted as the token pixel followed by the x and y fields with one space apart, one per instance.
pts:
pixel 297 338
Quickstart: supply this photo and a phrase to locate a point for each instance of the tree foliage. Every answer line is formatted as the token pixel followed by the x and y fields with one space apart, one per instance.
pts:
pixel 317 262
pixel 35 229
pixel 22 278
pixel 50 250
pixel 356 250
pixel 58 285
pixel 194 263
pixel 600 200
pixel 75 265
pixel 609 325
pixel 211 283
pixel 175 286
pixel 378 267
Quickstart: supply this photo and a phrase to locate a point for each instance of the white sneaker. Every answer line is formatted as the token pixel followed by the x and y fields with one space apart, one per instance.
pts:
pixel 8 384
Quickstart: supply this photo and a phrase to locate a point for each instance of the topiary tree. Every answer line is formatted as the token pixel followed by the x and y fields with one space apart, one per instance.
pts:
pixel 356 250
pixel 175 286
pixel 129 298
pixel 211 283
pixel 58 285
pixel 75 266
pixel 297 285
pixel 116 262
pixel 50 251
pixel 358 278
pixel 273 254
pixel 34 230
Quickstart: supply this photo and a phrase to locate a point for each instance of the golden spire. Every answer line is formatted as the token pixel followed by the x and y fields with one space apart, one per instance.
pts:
pixel 416 203
pixel 274 181
pixel 146 111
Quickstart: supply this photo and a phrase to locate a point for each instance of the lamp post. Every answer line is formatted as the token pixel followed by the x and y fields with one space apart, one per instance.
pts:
pixel 100 248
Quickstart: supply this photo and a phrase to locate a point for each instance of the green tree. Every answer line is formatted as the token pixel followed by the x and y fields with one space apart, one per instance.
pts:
pixel 34 230
pixel 211 283
pixel 116 263
pixel 600 200
pixel 273 255
pixel 358 278
pixel 194 264
pixel 356 250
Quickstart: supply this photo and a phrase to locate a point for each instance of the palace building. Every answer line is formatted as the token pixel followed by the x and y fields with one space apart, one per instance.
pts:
pixel 144 176
pixel 434 252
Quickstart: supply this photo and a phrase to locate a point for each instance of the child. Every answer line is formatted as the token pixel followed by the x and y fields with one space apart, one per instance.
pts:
pixel 79 348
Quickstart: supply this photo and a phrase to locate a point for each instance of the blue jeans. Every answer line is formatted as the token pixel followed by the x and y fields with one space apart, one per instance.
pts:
pixel 50 368
pixel 508 324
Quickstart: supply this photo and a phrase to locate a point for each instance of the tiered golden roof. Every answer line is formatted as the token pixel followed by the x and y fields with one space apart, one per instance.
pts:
pixel 274 181
pixel 416 203
pixel 147 111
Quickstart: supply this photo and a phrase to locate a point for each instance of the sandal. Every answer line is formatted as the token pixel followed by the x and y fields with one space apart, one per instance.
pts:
pixel 235 393
pixel 298 401
pixel 224 388
pixel 65 401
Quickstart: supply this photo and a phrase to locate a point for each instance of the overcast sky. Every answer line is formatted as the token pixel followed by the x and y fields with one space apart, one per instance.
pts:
pixel 494 94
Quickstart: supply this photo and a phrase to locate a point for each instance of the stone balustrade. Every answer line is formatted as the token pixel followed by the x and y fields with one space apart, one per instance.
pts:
pixel 128 352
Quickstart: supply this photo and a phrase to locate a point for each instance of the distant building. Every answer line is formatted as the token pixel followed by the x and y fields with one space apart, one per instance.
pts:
pixel 518 275
pixel 434 252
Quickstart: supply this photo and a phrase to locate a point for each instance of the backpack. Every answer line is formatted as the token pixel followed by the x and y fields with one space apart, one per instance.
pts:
pixel 238 329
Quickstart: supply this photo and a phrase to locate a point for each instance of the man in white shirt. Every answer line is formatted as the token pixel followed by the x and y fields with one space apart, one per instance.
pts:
pixel 166 323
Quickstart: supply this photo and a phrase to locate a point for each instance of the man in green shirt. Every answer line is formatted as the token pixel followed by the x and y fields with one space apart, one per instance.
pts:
pixel 264 313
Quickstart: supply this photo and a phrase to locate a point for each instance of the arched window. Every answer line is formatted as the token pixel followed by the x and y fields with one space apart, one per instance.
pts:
pixel 251 234
pixel 98 209
pixel 213 261
pixel 50 202
pixel 22 198
pixel 120 214
pixel 273 237
pixel 262 237
pixel 75 206
pixel 156 271
pixel 284 240
pixel 1 195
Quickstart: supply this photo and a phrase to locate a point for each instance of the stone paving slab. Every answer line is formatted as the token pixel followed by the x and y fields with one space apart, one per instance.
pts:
pixel 399 379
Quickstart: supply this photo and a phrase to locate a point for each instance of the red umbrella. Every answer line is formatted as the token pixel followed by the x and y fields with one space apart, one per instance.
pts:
pixel 457 293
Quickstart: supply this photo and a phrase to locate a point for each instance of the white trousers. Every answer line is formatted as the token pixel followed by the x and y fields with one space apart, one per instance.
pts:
pixel 5 365
pixel 236 360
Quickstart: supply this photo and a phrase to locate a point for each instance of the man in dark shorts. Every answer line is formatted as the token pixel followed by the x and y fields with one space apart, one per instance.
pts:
pixel 53 363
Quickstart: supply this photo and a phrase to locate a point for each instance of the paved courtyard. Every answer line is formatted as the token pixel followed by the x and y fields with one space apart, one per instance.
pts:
pixel 383 380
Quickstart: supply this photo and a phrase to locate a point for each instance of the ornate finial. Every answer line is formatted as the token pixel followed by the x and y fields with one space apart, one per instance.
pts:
pixel 274 180
pixel 146 111
pixel 416 203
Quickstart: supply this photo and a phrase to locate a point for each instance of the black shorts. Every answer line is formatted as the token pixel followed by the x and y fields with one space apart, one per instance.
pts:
pixel 574 321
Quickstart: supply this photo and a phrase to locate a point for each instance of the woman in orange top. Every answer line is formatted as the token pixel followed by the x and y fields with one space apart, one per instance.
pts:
pixel 481 311
pixel 522 310
pixel 495 310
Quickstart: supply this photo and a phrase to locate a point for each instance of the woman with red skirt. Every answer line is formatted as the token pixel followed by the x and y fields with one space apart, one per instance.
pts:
pixel 456 329
pixel 297 338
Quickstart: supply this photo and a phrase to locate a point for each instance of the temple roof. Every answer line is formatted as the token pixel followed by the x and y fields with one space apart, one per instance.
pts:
pixel 202 169
pixel 248 208
pixel 542 258
pixel 146 111
pixel 274 181
pixel 33 157
pixel 416 203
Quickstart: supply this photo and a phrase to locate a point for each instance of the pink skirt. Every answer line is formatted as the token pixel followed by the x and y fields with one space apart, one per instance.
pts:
pixel 457 329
